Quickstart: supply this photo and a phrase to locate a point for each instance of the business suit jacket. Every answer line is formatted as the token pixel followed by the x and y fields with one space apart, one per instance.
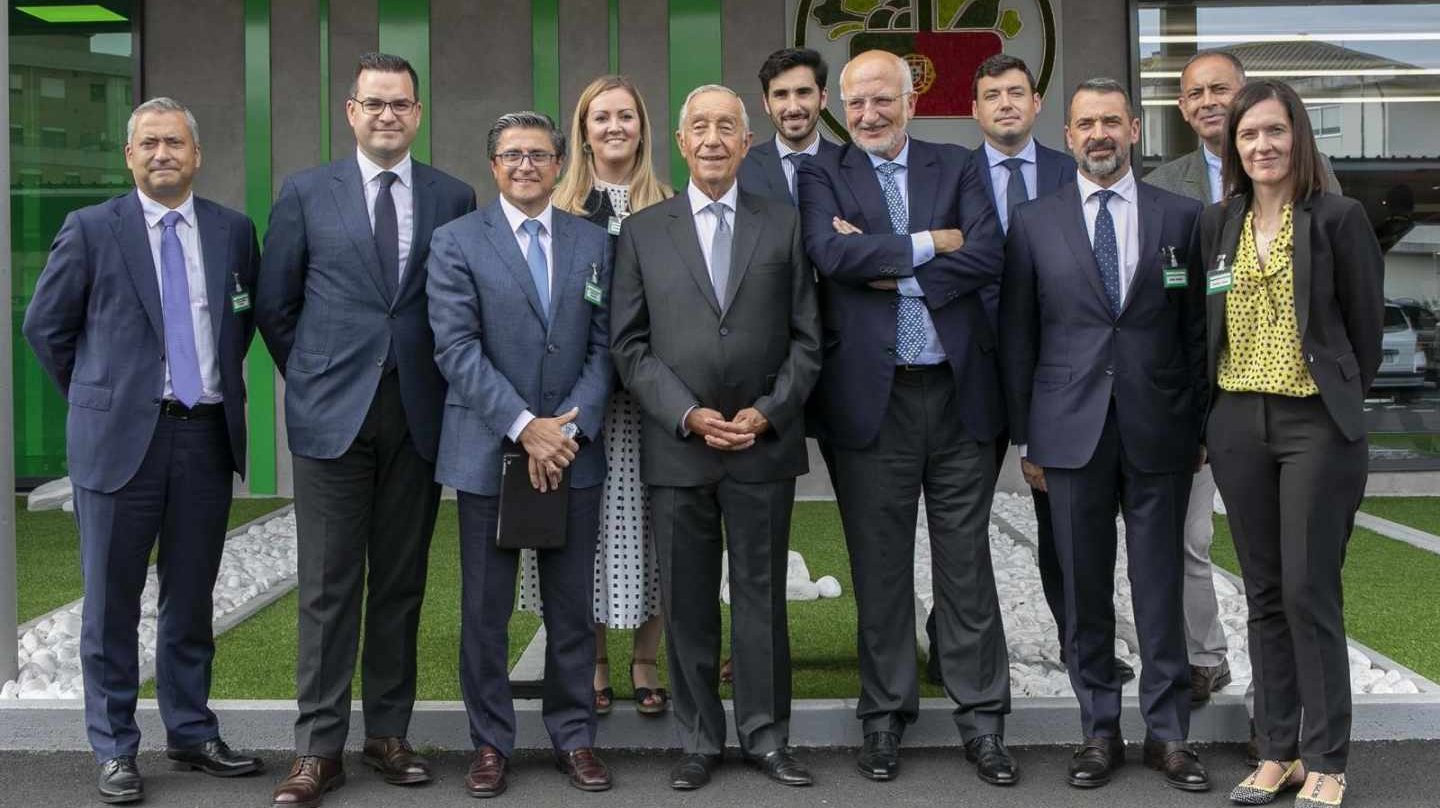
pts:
pixel 1189 175
pixel 494 347
pixel 322 308
pixel 95 325
pixel 1053 169
pixel 1339 297
pixel 1067 358
pixel 677 345
pixel 859 322
pixel 761 172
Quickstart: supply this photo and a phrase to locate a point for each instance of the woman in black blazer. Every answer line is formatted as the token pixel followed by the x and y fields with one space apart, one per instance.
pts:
pixel 1295 306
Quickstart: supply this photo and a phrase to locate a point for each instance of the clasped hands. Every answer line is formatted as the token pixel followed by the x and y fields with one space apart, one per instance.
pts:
pixel 946 241
pixel 727 436
pixel 549 450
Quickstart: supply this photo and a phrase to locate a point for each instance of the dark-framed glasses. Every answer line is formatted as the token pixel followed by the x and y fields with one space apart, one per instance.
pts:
pixel 513 159
pixel 376 107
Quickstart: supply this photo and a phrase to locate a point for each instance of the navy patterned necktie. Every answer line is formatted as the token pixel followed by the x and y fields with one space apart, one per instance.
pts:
pixel 910 311
pixel 1107 251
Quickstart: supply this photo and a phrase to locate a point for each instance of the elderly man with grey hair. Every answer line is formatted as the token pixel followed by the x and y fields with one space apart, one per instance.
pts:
pixel 715 332
pixel 156 274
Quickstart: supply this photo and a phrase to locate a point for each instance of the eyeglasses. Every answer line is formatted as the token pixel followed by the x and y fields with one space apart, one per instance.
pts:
pixel 513 159
pixel 376 107
pixel 881 102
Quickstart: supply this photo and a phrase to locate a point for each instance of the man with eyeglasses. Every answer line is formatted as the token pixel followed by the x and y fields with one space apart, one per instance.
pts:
pixel 905 241
pixel 341 305
pixel 519 304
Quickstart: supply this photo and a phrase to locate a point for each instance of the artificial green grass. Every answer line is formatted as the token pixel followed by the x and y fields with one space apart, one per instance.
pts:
pixel 1421 513
pixel 47 553
pixel 1390 602
pixel 256 659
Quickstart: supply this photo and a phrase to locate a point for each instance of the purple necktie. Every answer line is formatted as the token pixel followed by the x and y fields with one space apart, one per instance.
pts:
pixel 175 311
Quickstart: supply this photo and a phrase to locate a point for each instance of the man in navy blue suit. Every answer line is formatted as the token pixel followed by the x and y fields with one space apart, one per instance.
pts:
pixel 792 84
pixel 905 240
pixel 341 304
pixel 1102 340
pixel 142 317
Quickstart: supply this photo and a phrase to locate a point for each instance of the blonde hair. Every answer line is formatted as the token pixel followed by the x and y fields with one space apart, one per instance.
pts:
pixel 579 177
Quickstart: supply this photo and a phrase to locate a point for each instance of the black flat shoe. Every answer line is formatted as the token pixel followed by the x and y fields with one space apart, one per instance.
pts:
pixel 781 766
pixel 1123 671
pixel 1095 761
pixel 120 781
pixel 215 758
pixel 692 771
pixel 1182 767
pixel 879 758
pixel 992 760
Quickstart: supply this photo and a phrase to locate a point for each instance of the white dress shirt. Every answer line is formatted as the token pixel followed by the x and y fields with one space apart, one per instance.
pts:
pixel 1122 209
pixel 189 235
pixel 517 219
pixel 402 191
pixel 1000 178
pixel 706 224
pixel 1212 167
pixel 788 166
pixel 922 249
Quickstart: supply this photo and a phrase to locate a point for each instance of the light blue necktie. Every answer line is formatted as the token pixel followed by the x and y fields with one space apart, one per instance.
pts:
pixel 1107 252
pixel 535 257
pixel 175 313
pixel 910 315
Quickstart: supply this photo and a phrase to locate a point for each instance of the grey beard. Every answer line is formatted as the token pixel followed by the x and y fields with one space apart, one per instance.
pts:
pixel 1102 168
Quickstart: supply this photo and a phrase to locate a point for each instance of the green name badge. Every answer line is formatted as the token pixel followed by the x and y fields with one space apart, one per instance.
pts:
pixel 1176 276
pixel 240 302
pixel 594 295
pixel 613 227
pixel 1219 279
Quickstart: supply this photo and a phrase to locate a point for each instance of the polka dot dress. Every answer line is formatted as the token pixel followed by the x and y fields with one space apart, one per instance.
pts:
pixel 627 570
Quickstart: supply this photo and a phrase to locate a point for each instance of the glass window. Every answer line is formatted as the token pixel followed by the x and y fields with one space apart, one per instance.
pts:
pixel 1369 73
pixel 59 163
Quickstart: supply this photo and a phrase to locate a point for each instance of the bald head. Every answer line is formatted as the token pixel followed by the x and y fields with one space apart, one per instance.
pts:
pixel 879 97
pixel 1208 85
pixel 877 63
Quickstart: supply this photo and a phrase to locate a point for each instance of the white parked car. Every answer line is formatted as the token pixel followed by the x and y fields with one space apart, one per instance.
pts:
pixel 1402 363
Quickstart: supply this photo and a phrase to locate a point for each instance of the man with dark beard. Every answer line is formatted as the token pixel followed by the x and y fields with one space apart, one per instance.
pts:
pixel 1103 357
pixel 793 83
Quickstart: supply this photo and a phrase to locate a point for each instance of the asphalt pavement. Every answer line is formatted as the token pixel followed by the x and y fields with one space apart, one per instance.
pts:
pixel 1392 775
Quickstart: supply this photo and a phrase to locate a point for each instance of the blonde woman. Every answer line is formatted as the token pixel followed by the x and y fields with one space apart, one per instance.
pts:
pixel 607 177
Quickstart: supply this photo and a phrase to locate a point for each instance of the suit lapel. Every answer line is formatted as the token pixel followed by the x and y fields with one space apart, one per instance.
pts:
pixel 1300 263
pixel 860 176
pixel 922 175
pixel 504 243
pixel 562 261
pixel 748 223
pixel 687 244
pixel 423 224
pixel 1072 223
pixel 130 230
pixel 1047 171
pixel 1151 220
pixel 775 172
pixel 1229 241
pixel 982 165
pixel 355 218
pixel 1197 176
pixel 215 247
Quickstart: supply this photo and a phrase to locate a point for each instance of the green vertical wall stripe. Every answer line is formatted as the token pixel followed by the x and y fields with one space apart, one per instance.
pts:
pixel 614 36
pixel 696 58
pixel 324 14
pixel 405 31
pixel 545 56
pixel 260 370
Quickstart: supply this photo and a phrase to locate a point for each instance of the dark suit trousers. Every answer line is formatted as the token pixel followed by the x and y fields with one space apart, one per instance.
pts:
pixel 1291 484
pixel 567 585
pixel 180 495
pixel 363 521
pixel 688 537
pixel 1083 503
pixel 922 446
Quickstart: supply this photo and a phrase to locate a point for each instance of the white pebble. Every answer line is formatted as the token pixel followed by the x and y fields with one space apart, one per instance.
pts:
pixel 829 586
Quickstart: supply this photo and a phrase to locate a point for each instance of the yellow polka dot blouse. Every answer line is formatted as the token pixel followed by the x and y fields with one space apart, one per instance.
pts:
pixel 1263 353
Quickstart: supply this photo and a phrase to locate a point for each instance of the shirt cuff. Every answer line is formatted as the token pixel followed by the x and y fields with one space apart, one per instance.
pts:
pixel 922 248
pixel 685 430
pixel 521 421
pixel 909 287
pixel 1024 450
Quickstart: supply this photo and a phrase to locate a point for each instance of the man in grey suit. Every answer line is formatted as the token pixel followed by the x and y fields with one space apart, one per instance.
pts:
pixel 714 330
pixel 341 304
pixel 1208 85
pixel 522 335
pixel 142 317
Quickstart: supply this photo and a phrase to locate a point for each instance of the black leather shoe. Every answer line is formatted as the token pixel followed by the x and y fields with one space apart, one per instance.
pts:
pixel 992 760
pixel 692 771
pixel 1205 681
pixel 120 781
pixel 1123 671
pixel 781 766
pixel 879 758
pixel 1182 767
pixel 1095 761
pixel 214 757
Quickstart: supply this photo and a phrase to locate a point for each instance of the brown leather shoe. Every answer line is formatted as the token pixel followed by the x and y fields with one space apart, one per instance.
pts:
pixel 1205 681
pixel 310 778
pixel 586 770
pixel 396 761
pixel 486 777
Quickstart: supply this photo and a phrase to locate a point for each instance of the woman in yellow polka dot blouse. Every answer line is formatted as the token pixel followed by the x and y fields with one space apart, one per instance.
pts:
pixel 1295 305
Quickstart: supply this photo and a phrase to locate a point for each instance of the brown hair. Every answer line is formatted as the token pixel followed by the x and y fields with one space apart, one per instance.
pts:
pixel 579 177
pixel 1305 165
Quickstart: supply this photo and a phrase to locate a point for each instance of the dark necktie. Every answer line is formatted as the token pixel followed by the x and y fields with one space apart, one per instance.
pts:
pixel 387 234
pixel 180 351
pixel 1107 252
pixel 796 159
pixel 1015 191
